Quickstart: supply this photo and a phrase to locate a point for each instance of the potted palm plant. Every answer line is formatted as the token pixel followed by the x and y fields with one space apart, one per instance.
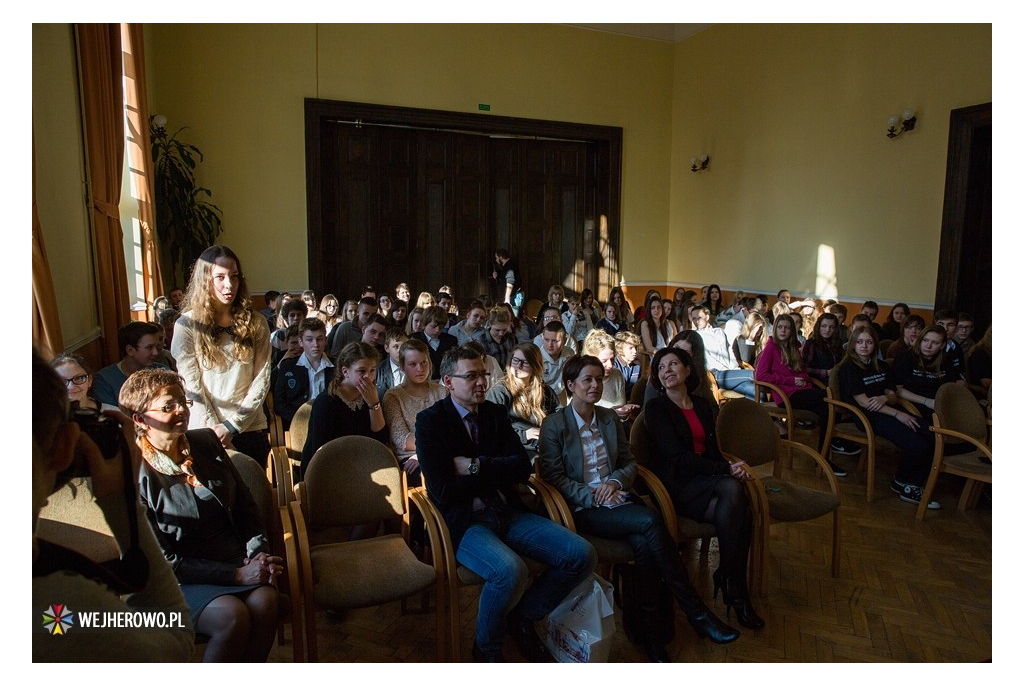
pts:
pixel 186 221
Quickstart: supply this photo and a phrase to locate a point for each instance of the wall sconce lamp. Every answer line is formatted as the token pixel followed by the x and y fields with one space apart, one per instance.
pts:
pixel 699 165
pixel 909 120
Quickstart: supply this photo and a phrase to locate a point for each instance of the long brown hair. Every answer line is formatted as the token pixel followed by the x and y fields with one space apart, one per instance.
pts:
pixel 350 354
pixel 527 394
pixel 851 356
pixel 200 302
pixel 790 349
pixel 936 363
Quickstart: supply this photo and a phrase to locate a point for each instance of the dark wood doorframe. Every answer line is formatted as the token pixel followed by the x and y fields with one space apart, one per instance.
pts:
pixel 602 205
pixel 967 216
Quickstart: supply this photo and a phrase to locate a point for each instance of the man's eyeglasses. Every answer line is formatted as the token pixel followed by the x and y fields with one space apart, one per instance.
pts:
pixel 471 377
pixel 76 380
pixel 518 361
pixel 172 407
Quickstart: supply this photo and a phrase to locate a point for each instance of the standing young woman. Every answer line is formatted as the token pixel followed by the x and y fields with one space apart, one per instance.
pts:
pixel 780 364
pixel 206 521
pixel 76 375
pixel 893 325
pixel 330 312
pixel 403 402
pixel 350 406
pixel 524 394
pixel 910 329
pixel 222 347
pixel 866 382
pixel 656 330
pixel 920 372
pixel 704 486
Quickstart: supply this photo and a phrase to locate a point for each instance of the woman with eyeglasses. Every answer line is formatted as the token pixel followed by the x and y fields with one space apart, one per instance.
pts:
pixel 76 375
pixel 524 394
pixel 205 520
pixel 330 312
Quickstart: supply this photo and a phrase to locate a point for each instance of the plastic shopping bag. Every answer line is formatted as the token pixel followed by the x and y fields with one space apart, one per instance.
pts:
pixel 580 629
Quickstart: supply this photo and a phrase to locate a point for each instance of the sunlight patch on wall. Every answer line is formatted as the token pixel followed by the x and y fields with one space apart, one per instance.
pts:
pixel 826 285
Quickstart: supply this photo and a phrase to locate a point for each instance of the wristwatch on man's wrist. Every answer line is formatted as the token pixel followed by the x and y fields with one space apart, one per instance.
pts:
pixel 474 467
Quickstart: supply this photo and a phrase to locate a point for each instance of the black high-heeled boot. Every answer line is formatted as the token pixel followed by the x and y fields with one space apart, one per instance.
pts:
pixel 707 625
pixel 736 596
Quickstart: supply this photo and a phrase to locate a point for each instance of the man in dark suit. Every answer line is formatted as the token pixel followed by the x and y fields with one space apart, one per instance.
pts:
pixel 472 459
pixel 434 321
pixel 300 379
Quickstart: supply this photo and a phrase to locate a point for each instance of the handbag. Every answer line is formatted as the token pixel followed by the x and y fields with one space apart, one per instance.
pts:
pixel 581 627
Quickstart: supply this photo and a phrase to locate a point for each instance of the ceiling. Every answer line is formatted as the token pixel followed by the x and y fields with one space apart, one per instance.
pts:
pixel 670 33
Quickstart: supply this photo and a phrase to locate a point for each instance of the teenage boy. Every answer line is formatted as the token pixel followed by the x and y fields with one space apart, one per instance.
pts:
pixel 351 331
pixel 964 328
pixel 547 315
pixel 302 378
pixel 389 370
pixel 555 354
pixel 373 332
pixel 270 311
pixel 434 320
pixel 870 310
pixel 177 296
pixel 140 343
pixel 294 311
pixel 954 355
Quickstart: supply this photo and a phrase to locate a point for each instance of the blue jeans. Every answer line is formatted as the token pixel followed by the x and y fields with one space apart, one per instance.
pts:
pixel 517 303
pixel 740 380
pixel 491 548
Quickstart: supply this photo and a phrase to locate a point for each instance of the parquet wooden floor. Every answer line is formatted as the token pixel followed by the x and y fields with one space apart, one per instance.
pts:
pixel 908 591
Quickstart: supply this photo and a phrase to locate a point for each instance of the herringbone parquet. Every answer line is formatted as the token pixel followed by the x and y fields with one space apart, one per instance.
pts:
pixel 908 591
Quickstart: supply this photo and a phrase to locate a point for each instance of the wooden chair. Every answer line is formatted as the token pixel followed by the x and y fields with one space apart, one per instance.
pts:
pixel 456 576
pixel 721 396
pixel 746 432
pixel 295 438
pixel 279 472
pixel 785 411
pixel 958 418
pixel 636 394
pixel 531 309
pixel 275 520
pixel 338 574
pixel 679 527
pixel 72 519
pixel 883 346
pixel 274 424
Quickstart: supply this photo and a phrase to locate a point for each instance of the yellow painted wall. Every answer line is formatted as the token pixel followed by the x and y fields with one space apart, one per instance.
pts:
pixel 241 87
pixel 794 119
pixel 60 180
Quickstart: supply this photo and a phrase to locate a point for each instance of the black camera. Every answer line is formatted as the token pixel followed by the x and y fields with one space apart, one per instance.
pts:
pixel 104 431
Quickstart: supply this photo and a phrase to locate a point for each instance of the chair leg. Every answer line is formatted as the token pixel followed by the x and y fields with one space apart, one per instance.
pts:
pixel 836 527
pixel 870 451
pixel 926 497
pixel 705 547
pixel 969 496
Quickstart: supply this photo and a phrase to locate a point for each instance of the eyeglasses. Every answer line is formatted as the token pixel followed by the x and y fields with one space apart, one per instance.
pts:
pixel 965 327
pixel 172 407
pixel 518 361
pixel 80 379
pixel 471 377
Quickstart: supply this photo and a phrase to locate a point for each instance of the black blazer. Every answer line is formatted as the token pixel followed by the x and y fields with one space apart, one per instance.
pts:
pixel 441 435
pixel 670 442
pixel 174 516
pixel 447 342
pixel 385 379
pixel 291 388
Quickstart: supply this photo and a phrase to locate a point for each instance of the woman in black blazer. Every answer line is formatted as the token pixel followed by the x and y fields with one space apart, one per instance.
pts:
pixel 703 485
pixel 205 520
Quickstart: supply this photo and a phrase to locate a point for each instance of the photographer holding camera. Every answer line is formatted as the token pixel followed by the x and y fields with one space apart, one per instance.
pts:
pixel 141 581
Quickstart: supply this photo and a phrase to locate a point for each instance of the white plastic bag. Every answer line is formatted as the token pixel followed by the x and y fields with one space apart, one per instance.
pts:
pixel 580 629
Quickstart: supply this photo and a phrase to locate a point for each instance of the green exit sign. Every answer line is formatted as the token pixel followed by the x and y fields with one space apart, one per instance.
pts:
pixel 484 108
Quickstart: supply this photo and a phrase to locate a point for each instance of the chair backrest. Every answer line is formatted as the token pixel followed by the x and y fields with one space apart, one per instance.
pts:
pixel 716 392
pixel 883 346
pixel 255 478
pixel 957 409
pixel 299 427
pixel 638 443
pixel 352 480
pixel 636 394
pixel 746 430
pixel 532 309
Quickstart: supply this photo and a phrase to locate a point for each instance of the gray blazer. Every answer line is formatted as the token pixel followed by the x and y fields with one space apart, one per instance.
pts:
pixel 561 454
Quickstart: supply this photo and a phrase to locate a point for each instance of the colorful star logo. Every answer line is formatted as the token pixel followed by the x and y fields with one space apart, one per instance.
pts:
pixel 58 619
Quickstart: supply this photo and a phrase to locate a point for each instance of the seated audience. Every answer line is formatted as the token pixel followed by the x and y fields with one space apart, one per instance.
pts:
pixel 206 521
pixel 352 331
pixel 601 346
pixel 58 574
pixel 718 357
pixel 577 321
pixel 554 354
pixel 894 321
pixel 494 370
pixel 270 311
pixel 177 296
pixel 870 310
pixel 300 379
pixel 403 293
pixel 556 299
pixel 351 405
pixel 403 402
pixel 499 340
pixel 524 395
pixel 656 330
pixel 919 373
pixel 979 366
pixel 909 330
pixel 309 299
pixel 472 328
pixel 627 358
pixel 713 302
pixel 75 374
pixel 384 304
pixel 749 343
pixel 140 343
pixel 373 332
pixel 611 323
pixel 399 314
pixel 349 311
pixel 684 454
pixel 590 305
pixel 435 319
pixel 625 309
pixel 389 369
pixel 693 344
pixel 964 329
pixel 546 316
pixel 585 456
pixel 293 312
pixel 954 355
pixel 866 382
pixel 330 312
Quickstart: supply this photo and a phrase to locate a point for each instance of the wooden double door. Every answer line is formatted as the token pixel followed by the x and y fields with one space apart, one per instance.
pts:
pixel 428 205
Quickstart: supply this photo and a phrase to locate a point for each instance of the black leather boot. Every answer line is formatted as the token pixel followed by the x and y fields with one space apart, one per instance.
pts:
pixel 707 625
pixel 735 595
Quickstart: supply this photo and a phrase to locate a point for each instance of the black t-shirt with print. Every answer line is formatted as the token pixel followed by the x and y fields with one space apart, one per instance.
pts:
pixel 906 371
pixel 857 380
